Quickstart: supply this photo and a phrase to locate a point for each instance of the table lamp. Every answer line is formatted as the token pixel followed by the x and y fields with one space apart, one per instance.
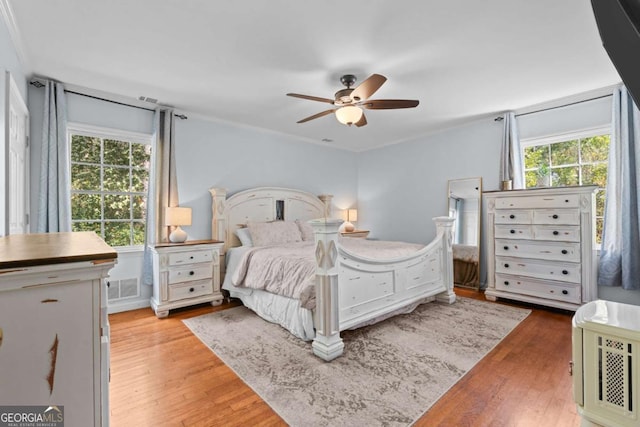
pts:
pixel 176 216
pixel 352 215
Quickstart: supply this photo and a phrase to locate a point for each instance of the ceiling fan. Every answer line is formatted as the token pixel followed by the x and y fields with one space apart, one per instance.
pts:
pixel 351 101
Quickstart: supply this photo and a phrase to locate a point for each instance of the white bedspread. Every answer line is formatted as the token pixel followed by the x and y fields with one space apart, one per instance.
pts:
pixel 289 269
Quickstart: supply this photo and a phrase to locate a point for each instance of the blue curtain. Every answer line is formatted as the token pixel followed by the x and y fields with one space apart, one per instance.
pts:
pixel 511 168
pixel 163 187
pixel 54 199
pixel 619 263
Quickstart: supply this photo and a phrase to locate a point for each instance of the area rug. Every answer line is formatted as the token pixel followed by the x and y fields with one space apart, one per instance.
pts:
pixel 389 375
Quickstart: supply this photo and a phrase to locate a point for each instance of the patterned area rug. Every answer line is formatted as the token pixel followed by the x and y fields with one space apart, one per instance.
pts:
pixel 389 375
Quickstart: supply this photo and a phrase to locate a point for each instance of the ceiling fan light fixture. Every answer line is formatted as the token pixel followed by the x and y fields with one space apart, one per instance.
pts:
pixel 349 114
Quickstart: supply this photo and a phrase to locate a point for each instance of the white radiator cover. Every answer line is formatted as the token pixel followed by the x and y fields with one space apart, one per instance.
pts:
pixel 606 363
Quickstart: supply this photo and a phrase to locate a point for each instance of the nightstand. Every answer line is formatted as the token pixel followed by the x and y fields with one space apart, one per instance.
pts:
pixel 185 274
pixel 362 234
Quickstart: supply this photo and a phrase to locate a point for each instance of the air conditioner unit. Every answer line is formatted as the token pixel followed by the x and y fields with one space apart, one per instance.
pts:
pixel 606 363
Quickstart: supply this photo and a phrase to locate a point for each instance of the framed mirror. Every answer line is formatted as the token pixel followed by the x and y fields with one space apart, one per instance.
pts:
pixel 464 205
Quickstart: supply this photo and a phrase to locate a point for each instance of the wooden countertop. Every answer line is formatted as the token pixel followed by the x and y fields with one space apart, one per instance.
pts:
pixel 28 250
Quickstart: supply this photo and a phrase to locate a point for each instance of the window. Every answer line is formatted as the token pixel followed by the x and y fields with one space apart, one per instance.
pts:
pixel 109 181
pixel 577 159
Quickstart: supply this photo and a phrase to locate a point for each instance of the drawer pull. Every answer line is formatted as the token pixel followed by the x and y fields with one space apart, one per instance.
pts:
pixel 555 216
pixel 191 257
pixel 565 292
pixel 506 248
pixel 512 231
pixel 512 216
pixel 191 289
pixel 555 233
pixel 506 283
pixel 564 252
pixel 565 272
pixel 506 266
pixel 191 273
pixel 566 200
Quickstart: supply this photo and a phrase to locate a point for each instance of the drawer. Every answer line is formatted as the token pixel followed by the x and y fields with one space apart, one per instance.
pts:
pixel 190 257
pixel 561 291
pixel 560 201
pixel 564 233
pixel 563 272
pixel 553 251
pixel 190 273
pixel 515 231
pixel 190 290
pixel 556 216
pixel 513 217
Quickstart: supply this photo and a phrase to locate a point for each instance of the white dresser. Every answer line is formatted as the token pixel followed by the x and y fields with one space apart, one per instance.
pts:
pixel 54 330
pixel 540 246
pixel 185 274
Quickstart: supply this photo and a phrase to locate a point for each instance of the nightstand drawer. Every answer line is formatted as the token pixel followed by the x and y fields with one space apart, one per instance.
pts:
pixel 190 290
pixel 191 257
pixel 190 273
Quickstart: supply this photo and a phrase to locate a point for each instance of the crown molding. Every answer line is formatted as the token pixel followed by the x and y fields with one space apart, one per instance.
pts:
pixel 9 19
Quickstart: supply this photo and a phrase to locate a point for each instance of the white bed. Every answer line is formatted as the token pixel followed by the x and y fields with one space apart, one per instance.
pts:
pixel 351 290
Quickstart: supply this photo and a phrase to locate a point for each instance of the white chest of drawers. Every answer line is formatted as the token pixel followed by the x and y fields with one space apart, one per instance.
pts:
pixel 541 246
pixel 185 274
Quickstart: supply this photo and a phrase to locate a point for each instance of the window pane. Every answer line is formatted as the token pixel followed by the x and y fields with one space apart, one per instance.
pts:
pixel 138 233
pixel 116 179
pixel 116 152
pixel 117 233
pixel 139 179
pixel 600 202
pixel 599 227
pixel 86 226
pixel 116 207
pixel 563 153
pixel 85 149
pixel 139 207
pixel 561 177
pixel 536 157
pixel 85 206
pixel 595 174
pixel 531 179
pixel 85 177
pixel 539 177
pixel 140 155
pixel 595 149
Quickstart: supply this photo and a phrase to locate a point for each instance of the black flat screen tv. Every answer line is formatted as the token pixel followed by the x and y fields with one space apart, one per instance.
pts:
pixel 619 26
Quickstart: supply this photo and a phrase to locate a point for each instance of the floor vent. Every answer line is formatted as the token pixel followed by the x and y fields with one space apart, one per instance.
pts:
pixel 123 288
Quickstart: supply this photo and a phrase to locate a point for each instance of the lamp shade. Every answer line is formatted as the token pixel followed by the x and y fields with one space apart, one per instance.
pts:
pixel 177 216
pixel 349 114
pixel 352 215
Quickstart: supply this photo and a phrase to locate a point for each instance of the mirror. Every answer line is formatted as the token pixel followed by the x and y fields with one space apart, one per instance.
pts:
pixel 464 204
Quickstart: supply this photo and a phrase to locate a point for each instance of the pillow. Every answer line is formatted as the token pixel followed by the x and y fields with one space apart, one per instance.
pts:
pixel 274 233
pixel 306 230
pixel 245 236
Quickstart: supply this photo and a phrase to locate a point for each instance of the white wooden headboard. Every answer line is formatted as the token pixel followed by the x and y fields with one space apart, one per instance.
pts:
pixel 262 204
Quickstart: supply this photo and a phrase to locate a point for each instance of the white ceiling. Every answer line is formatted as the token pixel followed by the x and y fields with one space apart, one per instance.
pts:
pixel 235 60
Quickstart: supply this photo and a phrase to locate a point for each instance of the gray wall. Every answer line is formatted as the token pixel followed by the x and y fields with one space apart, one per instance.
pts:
pixel 9 63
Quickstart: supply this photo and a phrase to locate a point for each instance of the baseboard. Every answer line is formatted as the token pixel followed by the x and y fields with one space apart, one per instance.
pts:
pixel 128 306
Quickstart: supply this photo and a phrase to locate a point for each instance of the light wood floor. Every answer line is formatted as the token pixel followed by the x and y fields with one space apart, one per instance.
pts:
pixel 162 375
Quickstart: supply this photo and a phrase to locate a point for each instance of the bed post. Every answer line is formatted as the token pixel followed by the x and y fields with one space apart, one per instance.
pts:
pixel 444 229
pixel 218 226
pixel 327 344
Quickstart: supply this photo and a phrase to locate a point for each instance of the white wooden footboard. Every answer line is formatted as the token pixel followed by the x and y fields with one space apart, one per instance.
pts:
pixel 351 290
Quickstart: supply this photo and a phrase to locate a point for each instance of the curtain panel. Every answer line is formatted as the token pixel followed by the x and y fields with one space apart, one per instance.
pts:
pixel 54 198
pixel 511 166
pixel 619 263
pixel 163 187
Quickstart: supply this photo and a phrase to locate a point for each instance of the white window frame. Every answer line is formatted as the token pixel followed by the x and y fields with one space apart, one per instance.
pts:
pixel 74 128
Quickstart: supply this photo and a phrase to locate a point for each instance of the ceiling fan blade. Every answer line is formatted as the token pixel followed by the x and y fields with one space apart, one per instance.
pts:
pixel 362 121
pixel 368 87
pixel 311 98
pixel 316 116
pixel 388 104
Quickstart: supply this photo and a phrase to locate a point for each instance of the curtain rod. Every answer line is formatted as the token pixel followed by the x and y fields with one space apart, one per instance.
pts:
pixel 500 118
pixel 39 85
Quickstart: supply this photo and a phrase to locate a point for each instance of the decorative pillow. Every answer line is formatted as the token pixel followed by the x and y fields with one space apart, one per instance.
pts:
pixel 274 233
pixel 245 236
pixel 306 230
